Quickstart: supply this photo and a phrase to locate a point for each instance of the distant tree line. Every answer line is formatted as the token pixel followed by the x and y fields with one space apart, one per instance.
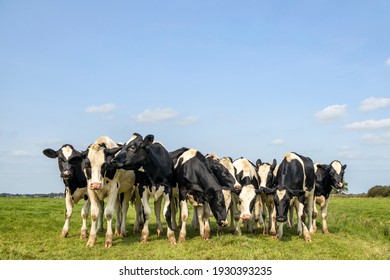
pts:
pixel 50 195
pixel 379 191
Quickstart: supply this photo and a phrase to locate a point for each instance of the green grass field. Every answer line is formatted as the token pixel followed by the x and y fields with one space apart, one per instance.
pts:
pixel 30 230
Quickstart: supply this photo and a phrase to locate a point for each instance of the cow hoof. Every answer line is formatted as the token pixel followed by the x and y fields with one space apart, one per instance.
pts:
pixel 236 232
pixel 325 231
pixel 64 234
pixel 143 241
pixel 108 244
pixel 117 233
pixel 83 235
pixel 160 232
pixel 91 243
pixel 182 239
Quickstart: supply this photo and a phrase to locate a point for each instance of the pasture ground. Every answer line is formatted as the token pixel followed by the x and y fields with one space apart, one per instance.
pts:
pixel 30 230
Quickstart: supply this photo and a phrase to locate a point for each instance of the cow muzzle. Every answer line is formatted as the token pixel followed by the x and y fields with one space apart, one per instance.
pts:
pixel 246 217
pixel 281 219
pixel 95 186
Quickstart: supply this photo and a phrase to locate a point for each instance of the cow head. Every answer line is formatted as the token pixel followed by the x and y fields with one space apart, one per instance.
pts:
pixel 336 173
pixel 97 164
pixel 225 179
pixel 133 155
pixel 266 173
pixel 217 205
pixel 63 155
pixel 282 199
pixel 227 162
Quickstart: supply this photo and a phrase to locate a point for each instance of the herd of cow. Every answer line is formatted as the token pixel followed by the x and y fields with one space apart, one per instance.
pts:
pixel 260 194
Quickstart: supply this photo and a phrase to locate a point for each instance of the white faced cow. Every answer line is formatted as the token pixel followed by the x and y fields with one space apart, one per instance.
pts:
pixel 267 179
pixel 198 184
pixel 327 177
pixel 158 181
pixel 104 181
pixel 249 201
pixel 75 186
pixel 295 181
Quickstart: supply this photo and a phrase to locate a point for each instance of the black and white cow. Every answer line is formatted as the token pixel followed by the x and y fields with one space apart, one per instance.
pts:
pixel 225 179
pixel 267 179
pixel 227 162
pixel 248 200
pixel 198 184
pixel 327 177
pixel 295 181
pixel 104 181
pixel 75 186
pixel 158 168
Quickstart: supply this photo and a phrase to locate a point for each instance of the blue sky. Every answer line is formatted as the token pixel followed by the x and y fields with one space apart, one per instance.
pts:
pixel 236 78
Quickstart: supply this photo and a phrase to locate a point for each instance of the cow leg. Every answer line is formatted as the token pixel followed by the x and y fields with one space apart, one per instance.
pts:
pixel 94 216
pixel 147 213
pixel 315 214
pixel 184 218
pixel 168 217
pixel 84 216
pixel 236 214
pixel 118 216
pixel 174 209
pixel 157 212
pixel 302 229
pixel 200 216
pixel 272 220
pixel 125 207
pixel 310 202
pixel 109 213
pixel 279 235
pixel 206 217
pixel 139 215
pixel 324 212
pixel 69 204
pixel 100 218
pixel 195 221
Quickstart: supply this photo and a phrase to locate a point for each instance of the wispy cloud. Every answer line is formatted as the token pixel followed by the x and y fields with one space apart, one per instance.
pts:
pixel 331 113
pixel 388 62
pixel 278 142
pixel 156 115
pixel 369 124
pixel 105 108
pixel 372 103
pixel 187 121
pixel 376 139
pixel 20 153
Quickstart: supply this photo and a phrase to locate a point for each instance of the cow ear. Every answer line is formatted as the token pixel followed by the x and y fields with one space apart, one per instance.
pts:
pixel 76 159
pixel 50 153
pixel 148 140
pixel 323 166
pixel 267 191
pixel 258 162
pixel 112 151
pixel 296 192
pixel 344 166
pixel 273 165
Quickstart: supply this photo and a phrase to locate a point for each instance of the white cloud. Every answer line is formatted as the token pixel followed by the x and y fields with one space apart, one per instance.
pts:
pixel 369 124
pixel 156 115
pixel 21 153
pixel 278 142
pixel 187 121
pixel 372 103
pixel 374 139
pixel 331 113
pixel 105 108
pixel 388 62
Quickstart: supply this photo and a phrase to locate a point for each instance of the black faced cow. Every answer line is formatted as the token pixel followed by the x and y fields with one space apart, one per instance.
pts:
pixel 327 177
pixel 104 181
pixel 225 179
pixel 158 168
pixel 295 182
pixel 75 186
pixel 198 184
